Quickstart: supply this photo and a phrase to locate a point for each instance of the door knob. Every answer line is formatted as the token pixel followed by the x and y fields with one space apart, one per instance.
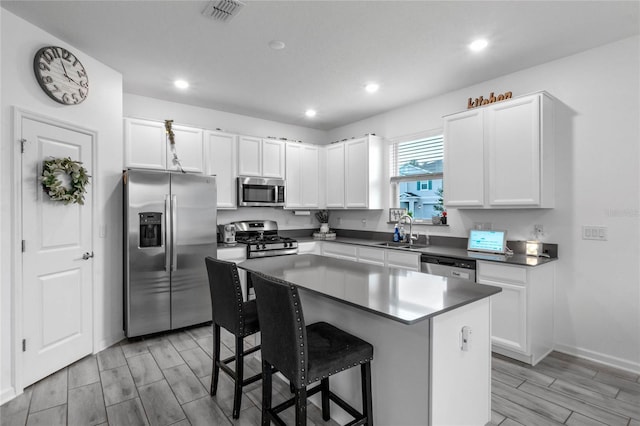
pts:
pixel 87 256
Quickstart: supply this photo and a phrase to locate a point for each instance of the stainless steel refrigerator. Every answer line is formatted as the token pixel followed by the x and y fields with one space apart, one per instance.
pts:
pixel 169 228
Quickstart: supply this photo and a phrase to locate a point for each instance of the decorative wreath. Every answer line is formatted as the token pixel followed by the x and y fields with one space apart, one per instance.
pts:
pixel 74 191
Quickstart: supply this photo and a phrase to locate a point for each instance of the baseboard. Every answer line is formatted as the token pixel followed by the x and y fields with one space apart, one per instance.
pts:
pixel 623 364
pixel 109 341
pixel 7 395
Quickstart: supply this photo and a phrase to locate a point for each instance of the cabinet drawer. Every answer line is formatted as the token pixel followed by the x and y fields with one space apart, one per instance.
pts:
pixel 371 255
pixel 404 260
pixel 233 254
pixel 344 251
pixel 490 271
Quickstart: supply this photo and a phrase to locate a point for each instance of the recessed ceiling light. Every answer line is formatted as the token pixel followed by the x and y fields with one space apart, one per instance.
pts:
pixel 277 44
pixel 181 84
pixel 478 45
pixel 310 113
pixel 372 87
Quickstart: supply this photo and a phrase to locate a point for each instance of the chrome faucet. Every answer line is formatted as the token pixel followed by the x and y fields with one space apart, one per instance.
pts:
pixel 411 237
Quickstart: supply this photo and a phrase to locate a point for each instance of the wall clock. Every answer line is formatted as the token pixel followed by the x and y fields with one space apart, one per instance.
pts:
pixel 61 75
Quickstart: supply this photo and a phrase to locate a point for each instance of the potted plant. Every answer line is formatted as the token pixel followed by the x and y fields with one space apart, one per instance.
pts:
pixel 323 218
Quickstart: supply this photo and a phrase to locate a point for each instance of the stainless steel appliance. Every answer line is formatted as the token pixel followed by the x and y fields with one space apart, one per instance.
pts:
pixel 254 191
pixel 228 233
pixel 169 228
pixel 262 239
pixel 448 267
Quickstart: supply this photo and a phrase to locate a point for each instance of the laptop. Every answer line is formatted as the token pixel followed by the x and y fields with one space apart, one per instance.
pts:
pixel 487 241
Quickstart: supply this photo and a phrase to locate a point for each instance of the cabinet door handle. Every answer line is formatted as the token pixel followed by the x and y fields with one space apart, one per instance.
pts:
pixel 87 256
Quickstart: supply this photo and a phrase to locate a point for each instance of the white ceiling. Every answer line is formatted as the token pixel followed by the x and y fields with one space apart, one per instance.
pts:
pixel 413 49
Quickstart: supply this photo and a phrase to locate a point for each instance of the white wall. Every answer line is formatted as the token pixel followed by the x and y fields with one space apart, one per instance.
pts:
pixel 154 109
pixel 597 169
pixel 101 112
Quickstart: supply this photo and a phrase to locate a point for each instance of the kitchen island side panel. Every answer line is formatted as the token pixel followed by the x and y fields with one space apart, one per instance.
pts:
pixel 400 366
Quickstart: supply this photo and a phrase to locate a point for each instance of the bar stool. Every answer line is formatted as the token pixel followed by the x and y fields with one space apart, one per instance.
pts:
pixel 306 354
pixel 238 317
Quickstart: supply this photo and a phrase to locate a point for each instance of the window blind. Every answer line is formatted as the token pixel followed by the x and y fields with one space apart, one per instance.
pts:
pixel 417 159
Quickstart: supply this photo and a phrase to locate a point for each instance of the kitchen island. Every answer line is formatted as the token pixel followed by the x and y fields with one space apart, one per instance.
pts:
pixel 415 322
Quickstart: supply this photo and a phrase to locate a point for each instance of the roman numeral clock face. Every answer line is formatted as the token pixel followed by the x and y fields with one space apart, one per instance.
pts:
pixel 61 75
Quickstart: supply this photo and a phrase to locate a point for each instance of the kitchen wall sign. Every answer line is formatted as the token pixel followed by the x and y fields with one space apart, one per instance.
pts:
pixel 491 99
pixel 61 75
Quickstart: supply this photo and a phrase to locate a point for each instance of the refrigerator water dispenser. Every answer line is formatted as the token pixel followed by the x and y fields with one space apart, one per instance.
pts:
pixel 150 229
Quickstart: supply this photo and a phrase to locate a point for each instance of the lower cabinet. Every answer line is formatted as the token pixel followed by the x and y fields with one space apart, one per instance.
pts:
pixel 522 314
pixel 309 247
pixel 340 251
pixel 375 256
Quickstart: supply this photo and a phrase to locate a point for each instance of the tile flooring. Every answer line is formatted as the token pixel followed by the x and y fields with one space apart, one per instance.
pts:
pixel 164 380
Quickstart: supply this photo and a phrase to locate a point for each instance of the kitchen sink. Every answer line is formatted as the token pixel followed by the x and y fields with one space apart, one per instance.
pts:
pixel 394 244
pixel 402 245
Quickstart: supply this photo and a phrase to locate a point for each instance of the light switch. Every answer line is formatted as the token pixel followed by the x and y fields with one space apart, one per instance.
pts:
pixel 594 233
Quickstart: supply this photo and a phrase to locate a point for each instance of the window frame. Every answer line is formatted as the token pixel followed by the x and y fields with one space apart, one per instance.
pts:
pixel 394 181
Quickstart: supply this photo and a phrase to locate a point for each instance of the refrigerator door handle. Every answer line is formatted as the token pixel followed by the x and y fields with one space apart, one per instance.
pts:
pixel 174 226
pixel 166 235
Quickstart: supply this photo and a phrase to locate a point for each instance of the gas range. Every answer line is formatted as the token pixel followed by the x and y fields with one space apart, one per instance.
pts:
pixel 262 239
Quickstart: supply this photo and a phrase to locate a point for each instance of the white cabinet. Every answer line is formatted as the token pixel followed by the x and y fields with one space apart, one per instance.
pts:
pixel 354 174
pixel 335 176
pixel 522 314
pixel 261 157
pixel 340 251
pixel 309 247
pixel 303 176
pixel 372 255
pixel 464 159
pixel 403 259
pixel 147 146
pixel 144 144
pixel 221 152
pixel 501 155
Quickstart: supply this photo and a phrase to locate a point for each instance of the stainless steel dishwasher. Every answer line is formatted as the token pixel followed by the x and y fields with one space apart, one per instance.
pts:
pixel 448 267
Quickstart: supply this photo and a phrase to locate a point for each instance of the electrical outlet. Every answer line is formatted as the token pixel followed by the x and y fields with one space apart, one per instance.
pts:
pixel 598 233
pixel 538 230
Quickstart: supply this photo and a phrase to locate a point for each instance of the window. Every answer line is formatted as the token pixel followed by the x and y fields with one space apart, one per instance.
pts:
pixel 416 174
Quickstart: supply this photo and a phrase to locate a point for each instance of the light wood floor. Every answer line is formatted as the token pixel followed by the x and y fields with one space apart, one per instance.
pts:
pixel 164 380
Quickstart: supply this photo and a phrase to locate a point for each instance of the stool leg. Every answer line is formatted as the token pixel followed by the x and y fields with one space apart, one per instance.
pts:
pixel 326 414
pixel 216 359
pixel 367 403
pixel 266 392
pixel 237 395
pixel 301 406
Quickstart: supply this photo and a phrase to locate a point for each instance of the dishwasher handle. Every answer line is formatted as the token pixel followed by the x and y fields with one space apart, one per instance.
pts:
pixel 448 261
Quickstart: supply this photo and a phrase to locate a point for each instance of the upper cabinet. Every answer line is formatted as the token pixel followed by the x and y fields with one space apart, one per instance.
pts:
pixel 335 176
pixel 221 152
pixel 261 157
pixel 147 146
pixel 303 163
pixel 501 155
pixel 354 174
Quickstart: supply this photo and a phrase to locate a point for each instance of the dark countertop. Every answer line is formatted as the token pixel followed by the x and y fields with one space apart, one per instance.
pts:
pixel 401 295
pixel 460 253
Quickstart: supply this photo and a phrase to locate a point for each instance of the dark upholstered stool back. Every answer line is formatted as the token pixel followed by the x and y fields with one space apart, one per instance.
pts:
pixel 283 341
pixel 306 354
pixel 226 295
pixel 236 316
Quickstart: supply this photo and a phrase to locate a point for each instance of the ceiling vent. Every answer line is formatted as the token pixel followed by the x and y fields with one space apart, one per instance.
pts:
pixel 222 10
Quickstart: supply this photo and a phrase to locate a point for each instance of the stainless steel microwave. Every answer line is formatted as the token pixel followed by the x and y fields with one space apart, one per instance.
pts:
pixel 255 191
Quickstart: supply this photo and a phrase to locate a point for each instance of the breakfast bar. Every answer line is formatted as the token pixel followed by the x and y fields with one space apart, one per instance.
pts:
pixel 431 335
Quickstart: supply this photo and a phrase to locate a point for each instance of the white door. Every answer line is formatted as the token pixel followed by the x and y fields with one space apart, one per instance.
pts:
pixel 57 282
